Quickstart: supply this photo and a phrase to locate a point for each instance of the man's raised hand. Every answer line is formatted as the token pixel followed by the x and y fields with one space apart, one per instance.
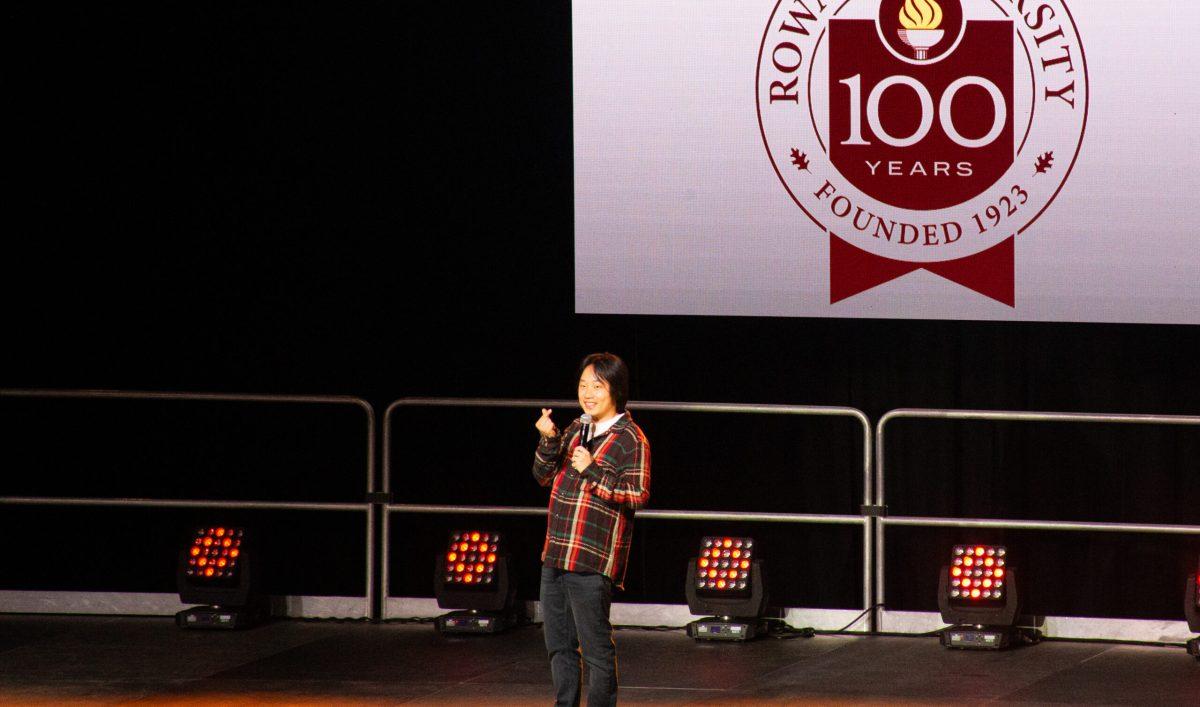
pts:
pixel 545 426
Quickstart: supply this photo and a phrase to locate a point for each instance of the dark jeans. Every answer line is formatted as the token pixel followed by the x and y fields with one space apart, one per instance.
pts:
pixel 575 611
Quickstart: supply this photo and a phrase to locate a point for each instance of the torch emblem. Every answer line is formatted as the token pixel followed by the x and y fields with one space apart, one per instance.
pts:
pixel 920 23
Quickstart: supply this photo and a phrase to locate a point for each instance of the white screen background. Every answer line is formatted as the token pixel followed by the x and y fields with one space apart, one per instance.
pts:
pixel 678 210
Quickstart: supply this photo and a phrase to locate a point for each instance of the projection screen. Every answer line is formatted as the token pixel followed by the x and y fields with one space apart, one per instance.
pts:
pixel 1029 160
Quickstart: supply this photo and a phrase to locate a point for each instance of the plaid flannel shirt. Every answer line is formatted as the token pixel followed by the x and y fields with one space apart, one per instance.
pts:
pixel 591 512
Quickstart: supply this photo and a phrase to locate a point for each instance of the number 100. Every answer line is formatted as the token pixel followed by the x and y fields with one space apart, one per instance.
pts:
pixel 944 114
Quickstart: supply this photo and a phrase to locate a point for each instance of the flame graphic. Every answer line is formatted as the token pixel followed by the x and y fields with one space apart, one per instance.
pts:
pixel 920 14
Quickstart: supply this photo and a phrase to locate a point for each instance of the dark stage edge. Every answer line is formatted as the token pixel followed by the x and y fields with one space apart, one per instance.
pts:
pixel 127 660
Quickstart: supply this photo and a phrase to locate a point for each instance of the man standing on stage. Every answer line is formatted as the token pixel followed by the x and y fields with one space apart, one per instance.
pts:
pixel 600 474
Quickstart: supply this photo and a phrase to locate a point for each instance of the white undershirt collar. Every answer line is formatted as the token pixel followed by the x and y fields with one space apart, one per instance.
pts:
pixel 602 427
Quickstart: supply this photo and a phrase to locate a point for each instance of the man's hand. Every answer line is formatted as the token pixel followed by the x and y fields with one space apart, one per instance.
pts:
pixel 545 426
pixel 581 458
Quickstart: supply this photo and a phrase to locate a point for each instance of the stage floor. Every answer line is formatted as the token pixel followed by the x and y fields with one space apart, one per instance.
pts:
pixel 118 660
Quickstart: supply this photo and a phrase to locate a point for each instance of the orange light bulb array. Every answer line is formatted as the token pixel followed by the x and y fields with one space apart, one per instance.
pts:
pixel 471 558
pixel 977 572
pixel 214 553
pixel 723 564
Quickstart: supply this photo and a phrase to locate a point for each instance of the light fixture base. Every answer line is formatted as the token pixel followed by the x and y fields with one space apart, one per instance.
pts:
pixel 714 628
pixel 477 622
pixel 220 617
pixel 989 638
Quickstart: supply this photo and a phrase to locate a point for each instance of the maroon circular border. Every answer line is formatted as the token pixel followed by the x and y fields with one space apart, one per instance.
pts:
pixel 1074 158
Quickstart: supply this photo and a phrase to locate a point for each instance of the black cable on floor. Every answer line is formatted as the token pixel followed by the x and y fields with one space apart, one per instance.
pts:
pixel 411 620
pixel 1115 641
pixel 778 628
pixel 781 630
pixel 884 634
pixel 858 618
pixel 1060 639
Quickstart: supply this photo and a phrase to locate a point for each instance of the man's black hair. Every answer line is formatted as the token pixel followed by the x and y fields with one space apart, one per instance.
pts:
pixel 612 370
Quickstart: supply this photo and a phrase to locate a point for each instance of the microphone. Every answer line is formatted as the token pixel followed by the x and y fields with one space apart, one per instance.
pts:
pixel 585 431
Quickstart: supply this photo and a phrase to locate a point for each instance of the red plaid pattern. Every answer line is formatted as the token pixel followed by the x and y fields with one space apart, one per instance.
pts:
pixel 591 512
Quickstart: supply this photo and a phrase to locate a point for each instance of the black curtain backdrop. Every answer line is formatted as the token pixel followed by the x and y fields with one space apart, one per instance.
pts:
pixel 375 199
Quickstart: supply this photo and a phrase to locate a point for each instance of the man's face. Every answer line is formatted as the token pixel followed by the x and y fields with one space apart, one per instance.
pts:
pixel 594 397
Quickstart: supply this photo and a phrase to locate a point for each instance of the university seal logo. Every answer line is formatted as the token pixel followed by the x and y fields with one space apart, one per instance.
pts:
pixel 922 133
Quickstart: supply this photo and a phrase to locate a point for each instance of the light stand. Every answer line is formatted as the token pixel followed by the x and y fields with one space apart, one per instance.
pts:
pixel 730 618
pixel 475 580
pixel 216 570
pixel 979 621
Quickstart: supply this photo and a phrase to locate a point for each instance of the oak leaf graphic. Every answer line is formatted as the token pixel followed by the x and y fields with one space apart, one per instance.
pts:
pixel 800 159
pixel 1044 163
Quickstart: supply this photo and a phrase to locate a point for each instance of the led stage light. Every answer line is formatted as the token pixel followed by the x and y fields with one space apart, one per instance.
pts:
pixel 977 594
pixel 472 576
pixel 215 570
pixel 725 582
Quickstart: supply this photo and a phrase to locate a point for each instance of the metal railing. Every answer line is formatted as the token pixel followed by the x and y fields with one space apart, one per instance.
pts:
pixel 809 410
pixel 363 507
pixel 1006 416
pixel 872 521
